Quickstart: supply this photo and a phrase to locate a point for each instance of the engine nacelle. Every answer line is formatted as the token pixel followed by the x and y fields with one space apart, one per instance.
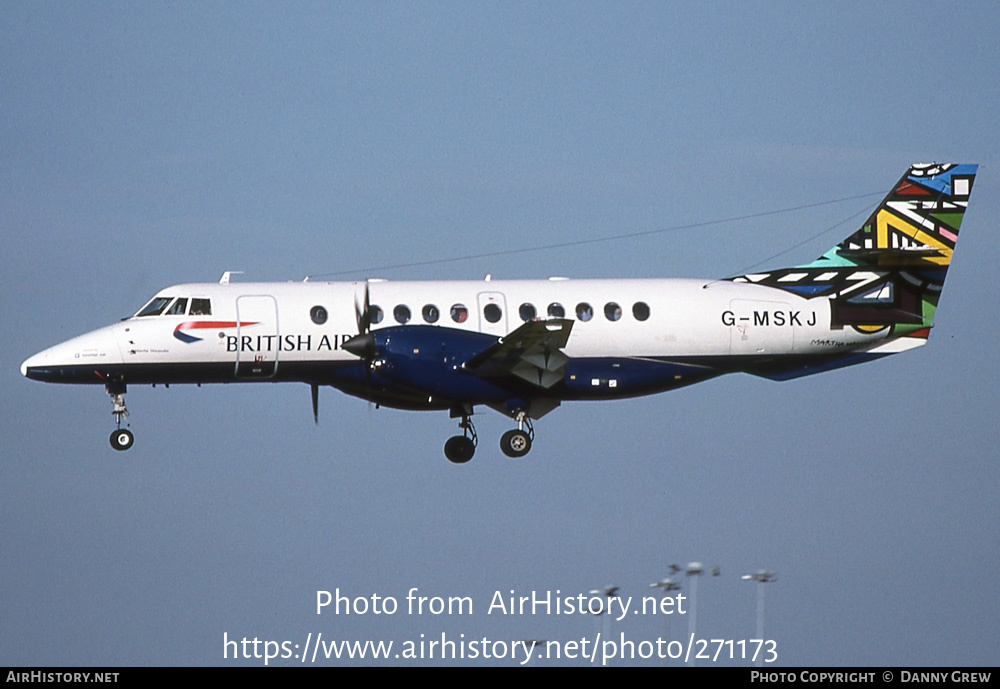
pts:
pixel 430 358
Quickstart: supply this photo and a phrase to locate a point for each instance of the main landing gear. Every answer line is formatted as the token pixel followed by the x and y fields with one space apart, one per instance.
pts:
pixel 517 443
pixel 514 443
pixel 122 438
pixel 460 448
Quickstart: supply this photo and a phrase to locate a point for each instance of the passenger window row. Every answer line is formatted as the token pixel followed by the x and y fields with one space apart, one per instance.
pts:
pixel 492 312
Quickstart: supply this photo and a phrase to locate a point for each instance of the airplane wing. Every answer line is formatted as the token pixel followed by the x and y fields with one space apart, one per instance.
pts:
pixel 532 353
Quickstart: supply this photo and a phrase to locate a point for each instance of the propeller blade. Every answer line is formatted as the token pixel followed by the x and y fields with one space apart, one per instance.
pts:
pixel 362 345
pixel 315 398
pixel 362 312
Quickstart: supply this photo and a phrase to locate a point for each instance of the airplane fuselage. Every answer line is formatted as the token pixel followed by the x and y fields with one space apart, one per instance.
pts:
pixel 629 337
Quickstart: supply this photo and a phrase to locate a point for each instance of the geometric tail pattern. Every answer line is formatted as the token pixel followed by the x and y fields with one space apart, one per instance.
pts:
pixel 890 272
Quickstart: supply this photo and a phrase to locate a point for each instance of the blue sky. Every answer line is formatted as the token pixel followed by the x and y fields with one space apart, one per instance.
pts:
pixel 147 144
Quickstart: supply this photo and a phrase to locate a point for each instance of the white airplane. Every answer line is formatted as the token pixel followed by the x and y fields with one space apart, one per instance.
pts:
pixel 523 347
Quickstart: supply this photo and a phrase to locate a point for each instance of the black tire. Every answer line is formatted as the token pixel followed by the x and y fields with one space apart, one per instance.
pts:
pixel 122 439
pixel 515 443
pixel 459 449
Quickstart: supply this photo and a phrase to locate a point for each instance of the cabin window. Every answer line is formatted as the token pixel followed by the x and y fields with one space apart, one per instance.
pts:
pixel 527 312
pixel 431 313
pixel 375 314
pixel 492 313
pixel 201 307
pixel 584 311
pixel 556 310
pixel 459 313
pixel 612 311
pixel 401 313
pixel 154 307
pixel 318 315
pixel 179 307
pixel 640 310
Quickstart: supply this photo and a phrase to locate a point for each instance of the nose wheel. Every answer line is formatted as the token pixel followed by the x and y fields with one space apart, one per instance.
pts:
pixel 122 438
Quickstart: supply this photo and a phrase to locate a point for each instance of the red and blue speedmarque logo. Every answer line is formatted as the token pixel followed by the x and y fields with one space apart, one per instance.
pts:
pixel 204 325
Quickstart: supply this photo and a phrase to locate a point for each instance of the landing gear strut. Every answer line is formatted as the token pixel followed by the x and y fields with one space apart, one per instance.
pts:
pixel 460 448
pixel 122 438
pixel 517 442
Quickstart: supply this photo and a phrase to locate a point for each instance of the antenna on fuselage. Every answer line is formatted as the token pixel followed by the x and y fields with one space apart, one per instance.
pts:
pixel 224 280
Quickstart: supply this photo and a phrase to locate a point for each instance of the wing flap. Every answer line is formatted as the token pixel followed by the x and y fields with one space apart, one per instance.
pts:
pixel 531 352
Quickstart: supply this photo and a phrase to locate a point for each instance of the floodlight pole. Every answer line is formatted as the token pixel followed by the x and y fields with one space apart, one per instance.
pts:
pixel 668 585
pixel 608 592
pixel 693 571
pixel 761 577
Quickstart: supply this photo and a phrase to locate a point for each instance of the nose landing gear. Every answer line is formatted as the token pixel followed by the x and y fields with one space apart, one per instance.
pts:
pixel 122 438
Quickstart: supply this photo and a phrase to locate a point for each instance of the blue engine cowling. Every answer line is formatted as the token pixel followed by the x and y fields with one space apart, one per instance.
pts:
pixel 430 358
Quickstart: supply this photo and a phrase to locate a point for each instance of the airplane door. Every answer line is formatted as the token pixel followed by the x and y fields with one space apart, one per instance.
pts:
pixel 762 327
pixel 492 313
pixel 257 337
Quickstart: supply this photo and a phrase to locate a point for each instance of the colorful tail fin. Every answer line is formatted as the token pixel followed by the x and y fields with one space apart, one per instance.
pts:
pixel 890 272
pixel 915 225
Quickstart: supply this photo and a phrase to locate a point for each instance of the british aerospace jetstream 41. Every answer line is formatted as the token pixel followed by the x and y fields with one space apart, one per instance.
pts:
pixel 523 347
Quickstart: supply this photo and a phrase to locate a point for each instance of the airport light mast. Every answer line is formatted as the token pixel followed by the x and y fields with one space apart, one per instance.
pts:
pixel 608 592
pixel 667 585
pixel 693 571
pixel 762 577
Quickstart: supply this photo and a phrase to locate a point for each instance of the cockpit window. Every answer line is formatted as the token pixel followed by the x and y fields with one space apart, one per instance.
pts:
pixel 179 307
pixel 201 307
pixel 154 307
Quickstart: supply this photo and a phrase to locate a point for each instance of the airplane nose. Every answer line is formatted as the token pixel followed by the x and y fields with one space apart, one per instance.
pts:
pixel 75 361
pixel 30 365
pixel 35 367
